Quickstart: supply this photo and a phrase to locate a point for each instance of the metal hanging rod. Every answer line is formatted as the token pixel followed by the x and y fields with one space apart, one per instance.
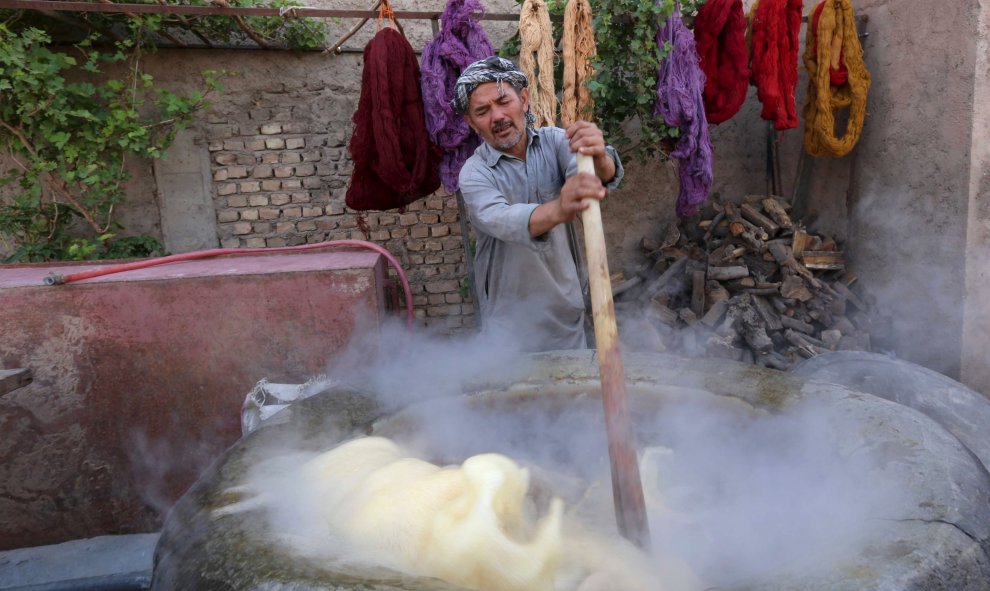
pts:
pixel 184 9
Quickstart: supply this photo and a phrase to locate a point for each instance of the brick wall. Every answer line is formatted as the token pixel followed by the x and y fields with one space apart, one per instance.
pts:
pixel 280 174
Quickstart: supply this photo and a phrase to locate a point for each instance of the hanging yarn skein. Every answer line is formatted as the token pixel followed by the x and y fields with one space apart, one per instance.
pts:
pixel 776 27
pixel 837 79
pixel 720 36
pixel 536 60
pixel 579 48
pixel 460 42
pixel 680 83
pixel 394 161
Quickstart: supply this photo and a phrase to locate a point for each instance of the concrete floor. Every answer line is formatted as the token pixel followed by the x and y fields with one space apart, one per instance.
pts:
pixel 105 563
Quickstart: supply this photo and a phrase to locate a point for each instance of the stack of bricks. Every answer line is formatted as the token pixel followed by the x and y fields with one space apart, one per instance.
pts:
pixel 280 182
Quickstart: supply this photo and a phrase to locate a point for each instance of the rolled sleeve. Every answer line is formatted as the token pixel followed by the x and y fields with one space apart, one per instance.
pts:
pixel 620 171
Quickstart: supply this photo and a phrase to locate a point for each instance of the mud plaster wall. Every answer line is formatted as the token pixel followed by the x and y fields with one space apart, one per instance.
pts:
pixel 918 183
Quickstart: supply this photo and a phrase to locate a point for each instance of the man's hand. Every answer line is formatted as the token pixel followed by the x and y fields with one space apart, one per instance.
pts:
pixel 585 138
pixel 571 201
pixel 575 193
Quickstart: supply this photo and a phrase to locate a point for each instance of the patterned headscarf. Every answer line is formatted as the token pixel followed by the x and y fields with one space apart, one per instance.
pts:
pixel 490 69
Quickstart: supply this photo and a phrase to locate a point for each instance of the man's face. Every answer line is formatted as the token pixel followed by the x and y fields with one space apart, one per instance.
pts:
pixel 499 117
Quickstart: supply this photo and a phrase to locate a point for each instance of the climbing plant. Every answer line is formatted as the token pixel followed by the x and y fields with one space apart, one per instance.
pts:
pixel 67 125
pixel 624 85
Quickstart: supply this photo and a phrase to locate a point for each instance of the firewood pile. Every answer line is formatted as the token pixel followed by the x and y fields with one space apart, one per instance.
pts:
pixel 745 282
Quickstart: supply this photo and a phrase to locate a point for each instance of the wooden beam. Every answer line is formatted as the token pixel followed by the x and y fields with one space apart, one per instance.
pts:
pixel 297 11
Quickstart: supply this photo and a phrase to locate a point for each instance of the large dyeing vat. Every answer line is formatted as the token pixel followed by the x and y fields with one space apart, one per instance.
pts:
pixel 861 493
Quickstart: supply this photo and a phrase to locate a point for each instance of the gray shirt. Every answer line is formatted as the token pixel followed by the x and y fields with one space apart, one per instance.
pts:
pixel 529 288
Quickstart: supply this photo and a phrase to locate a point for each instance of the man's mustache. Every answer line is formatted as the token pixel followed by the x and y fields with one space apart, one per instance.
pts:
pixel 501 125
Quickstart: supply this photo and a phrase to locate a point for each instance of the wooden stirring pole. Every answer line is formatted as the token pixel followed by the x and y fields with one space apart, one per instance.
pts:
pixel 627 489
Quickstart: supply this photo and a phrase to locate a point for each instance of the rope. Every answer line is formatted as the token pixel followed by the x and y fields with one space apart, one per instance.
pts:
pixel 460 42
pixel 536 60
pixel 680 82
pixel 579 49
pixel 776 25
pixel 833 40
pixel 720 36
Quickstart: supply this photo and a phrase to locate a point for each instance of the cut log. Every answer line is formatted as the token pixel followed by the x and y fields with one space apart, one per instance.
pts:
pixel 715 313
pixel 831 338
pixel 727 273
pixel 800 242
pixel 846 293
pixel 649 245
pixel 823 260
pixel 766 312
pixel 715 292
pixel 783 256
pixel 793 288
pixel 698 293
pixel 741 284
pixel 626 285
pixel 671 236
pixel 660 312
pixel 776 212
pixel 753 215
pixel 795 324
pixel 674 270
pixel 688 316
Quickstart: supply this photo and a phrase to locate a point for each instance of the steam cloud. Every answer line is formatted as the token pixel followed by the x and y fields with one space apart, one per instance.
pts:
pixel 734 497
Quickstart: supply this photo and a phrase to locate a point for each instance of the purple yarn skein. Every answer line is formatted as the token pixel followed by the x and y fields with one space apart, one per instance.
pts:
pixel 460 42
pixel 680 83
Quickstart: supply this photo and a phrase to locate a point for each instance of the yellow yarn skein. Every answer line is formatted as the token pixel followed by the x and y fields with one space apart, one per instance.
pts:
pixel 836 33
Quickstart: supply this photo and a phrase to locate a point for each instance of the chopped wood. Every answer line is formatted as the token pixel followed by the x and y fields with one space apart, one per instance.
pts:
pixel 803 342
pixel 762 291
pixel 793 288
pixel 831 338
pixel 672 271
pixel 715 313
pixel 744 281
pixel 688 316
pixel 671 236
pixel 698 293
pixel 727 273
pixel 847 294
pixel 626 285
pixel 766 312
pixel 843 325
pixel 799 242
pixel 723 347
pixel 12 379
pixel 714 225
pixel 660 312
pixel 752 214
pixel 783 255
pixel 823 260
pixel 795 324
pixel 776 212
pixel 715 292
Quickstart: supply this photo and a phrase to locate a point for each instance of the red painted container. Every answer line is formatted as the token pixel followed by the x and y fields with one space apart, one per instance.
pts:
pixel 138 377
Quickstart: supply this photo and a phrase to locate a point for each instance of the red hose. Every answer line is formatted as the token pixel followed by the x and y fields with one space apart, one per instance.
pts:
pixel 55 279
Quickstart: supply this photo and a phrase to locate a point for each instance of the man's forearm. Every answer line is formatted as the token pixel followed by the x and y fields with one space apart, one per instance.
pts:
pixel 545 217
